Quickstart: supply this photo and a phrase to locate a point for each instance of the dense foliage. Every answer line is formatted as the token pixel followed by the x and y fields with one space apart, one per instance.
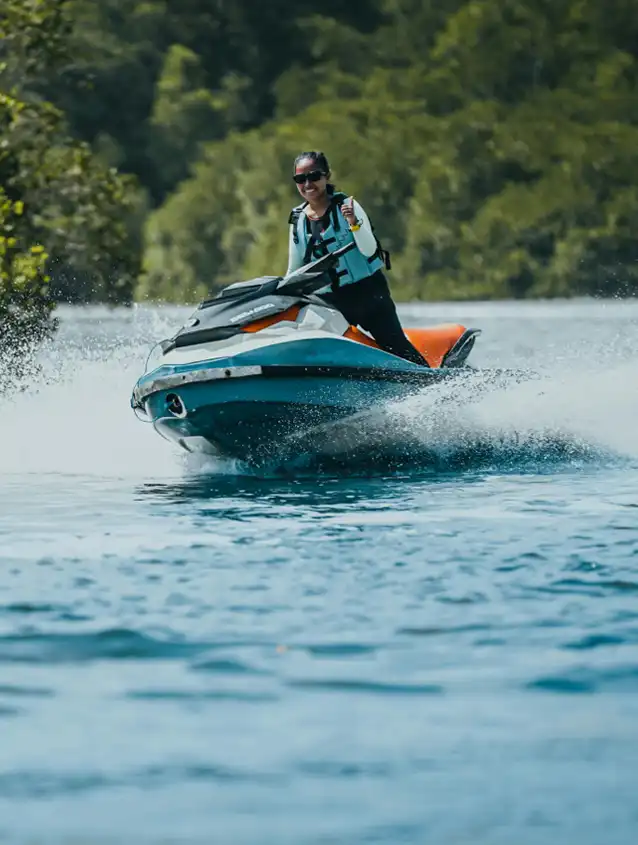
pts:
pixel 66 219
pixel 494 142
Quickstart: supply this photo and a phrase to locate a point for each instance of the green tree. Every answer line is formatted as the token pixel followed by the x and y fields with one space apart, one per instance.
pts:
pixel 492 142
pixel 81 211
pixel 493 147
pixel 185 115
pixel 124 52
pixel 25 302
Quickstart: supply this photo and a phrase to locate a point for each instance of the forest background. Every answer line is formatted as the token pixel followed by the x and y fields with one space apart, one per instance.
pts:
pixel 146 146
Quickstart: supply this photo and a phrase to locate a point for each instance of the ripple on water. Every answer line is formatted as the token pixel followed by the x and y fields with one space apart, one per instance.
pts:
pixel 441 630
pixel 226 666
pixel 592 641
pixel 8 712
pixel 200 696
pixel 585 679
pixel 49 784
pixel 28 608
pixel 582 586
pixel 340 649
pixel 346 685
pixel 110 644
pixel 618 584
pixel 12 691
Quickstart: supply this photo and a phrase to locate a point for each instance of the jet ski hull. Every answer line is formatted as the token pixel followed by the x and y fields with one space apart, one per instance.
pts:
pixel 257 413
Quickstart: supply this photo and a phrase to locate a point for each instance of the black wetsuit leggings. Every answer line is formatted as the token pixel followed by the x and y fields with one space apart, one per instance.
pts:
pixel 369 304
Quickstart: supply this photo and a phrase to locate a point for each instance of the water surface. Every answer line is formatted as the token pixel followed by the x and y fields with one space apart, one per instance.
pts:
pixel 438 650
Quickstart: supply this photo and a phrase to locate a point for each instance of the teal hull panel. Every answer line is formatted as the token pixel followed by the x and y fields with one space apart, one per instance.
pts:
pixel 254 419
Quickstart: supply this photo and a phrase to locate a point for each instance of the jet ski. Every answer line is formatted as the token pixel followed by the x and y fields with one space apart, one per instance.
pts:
pixel 267 364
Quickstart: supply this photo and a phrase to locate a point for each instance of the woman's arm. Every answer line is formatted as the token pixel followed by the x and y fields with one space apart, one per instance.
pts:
pixel 364 237
pixel 295 253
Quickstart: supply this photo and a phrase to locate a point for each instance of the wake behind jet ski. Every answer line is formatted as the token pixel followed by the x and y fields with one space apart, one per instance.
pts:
pixel 265 363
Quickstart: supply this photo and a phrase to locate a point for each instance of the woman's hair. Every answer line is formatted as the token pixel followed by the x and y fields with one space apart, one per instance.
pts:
pixel 321 161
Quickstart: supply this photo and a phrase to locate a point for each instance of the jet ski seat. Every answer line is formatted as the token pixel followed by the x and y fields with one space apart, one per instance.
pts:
pixel 445 345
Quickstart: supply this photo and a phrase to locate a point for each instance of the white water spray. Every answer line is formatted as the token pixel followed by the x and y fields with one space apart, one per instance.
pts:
pixel 77 420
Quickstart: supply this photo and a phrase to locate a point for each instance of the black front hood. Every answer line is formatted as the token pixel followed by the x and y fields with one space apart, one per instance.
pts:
pixel 240 304
pixel 221 319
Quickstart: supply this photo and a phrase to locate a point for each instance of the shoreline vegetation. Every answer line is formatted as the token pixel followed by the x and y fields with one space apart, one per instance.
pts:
pixel 146 145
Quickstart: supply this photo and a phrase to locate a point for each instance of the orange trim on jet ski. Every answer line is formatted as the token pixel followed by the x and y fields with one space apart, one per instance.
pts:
pixel 433 343
pixel 353 333
pixel 289 315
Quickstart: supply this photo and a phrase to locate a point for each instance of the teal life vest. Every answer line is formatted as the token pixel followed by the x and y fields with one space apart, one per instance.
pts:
pixel 352 267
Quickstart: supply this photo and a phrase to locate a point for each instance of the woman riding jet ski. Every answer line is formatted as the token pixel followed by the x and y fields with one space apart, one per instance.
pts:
pixel 276 365
pixel 328 220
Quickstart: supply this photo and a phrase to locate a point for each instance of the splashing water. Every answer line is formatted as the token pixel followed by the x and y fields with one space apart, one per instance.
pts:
pixel 568 415
pixel 77 419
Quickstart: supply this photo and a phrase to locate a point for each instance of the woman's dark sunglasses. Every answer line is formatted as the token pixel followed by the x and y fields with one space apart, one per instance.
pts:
pixel 312 176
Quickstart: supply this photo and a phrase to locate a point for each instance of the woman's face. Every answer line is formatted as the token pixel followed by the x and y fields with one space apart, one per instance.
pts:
pixel 312 188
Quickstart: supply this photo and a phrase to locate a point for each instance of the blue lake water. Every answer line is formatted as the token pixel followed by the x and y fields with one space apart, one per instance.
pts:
pixel 441 651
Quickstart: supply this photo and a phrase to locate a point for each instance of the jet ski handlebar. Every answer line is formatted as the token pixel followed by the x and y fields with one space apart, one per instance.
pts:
pixel 311 273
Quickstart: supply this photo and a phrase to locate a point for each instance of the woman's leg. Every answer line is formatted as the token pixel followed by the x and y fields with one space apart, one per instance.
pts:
pixel 378 315
pixel 343 301
pixel 369 304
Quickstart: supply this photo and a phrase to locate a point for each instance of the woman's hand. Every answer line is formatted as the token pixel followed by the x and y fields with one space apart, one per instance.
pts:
pixel 347 209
